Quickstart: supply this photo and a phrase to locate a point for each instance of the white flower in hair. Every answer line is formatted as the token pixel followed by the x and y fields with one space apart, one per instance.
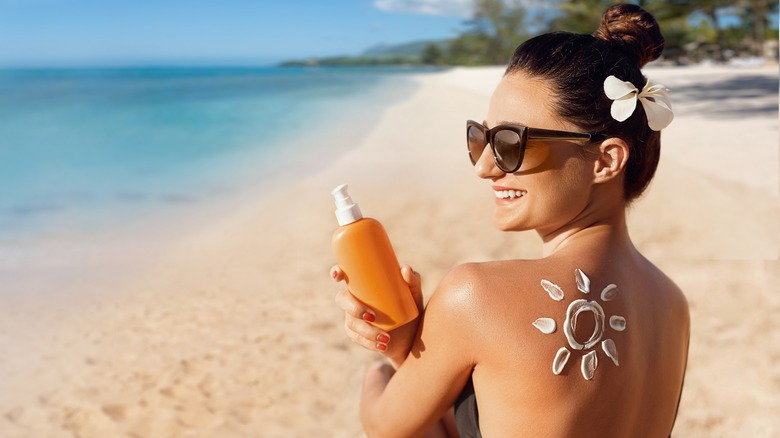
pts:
pixel 657 105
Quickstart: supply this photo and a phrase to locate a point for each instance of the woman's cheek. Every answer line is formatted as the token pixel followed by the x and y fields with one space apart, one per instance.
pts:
pixel 537 158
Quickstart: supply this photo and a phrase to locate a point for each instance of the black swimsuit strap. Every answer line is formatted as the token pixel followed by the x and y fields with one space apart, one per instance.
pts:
pixel 466 412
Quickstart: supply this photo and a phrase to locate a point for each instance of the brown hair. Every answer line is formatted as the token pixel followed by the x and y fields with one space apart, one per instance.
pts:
pixel 576 66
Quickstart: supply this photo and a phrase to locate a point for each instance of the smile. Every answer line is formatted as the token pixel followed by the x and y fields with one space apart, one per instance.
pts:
pixel 509 194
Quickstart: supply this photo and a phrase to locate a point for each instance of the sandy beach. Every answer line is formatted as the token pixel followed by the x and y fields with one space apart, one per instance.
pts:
pixel 227 326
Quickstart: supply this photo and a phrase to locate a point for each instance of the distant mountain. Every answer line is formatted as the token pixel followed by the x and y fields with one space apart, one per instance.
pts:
pixel 383 54
pixel 414 48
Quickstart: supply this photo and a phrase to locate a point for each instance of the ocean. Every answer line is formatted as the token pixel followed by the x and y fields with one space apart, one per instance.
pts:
pixel 87 148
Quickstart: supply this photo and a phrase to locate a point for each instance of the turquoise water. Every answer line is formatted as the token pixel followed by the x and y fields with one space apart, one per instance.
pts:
pixel 86 146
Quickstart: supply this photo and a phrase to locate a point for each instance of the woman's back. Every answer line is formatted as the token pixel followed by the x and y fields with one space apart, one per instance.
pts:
pixel 516 388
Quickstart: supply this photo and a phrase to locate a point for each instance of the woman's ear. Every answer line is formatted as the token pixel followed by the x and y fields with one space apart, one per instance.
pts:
pixel 612 159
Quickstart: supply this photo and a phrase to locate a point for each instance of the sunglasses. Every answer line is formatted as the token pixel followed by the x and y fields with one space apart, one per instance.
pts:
pixel 508 142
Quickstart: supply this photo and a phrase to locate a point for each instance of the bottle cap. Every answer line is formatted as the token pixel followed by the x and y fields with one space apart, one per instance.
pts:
pixel 346 210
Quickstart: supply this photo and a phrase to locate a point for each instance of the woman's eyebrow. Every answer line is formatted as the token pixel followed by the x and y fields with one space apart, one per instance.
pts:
pixel 508 122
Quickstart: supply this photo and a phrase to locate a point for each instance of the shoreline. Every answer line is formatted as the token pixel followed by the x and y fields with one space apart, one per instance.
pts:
pixel 193 176
pixel 189 213
pixel 231 329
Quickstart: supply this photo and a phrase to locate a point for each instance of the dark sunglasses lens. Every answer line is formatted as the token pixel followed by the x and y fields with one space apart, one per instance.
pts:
pixel 508 151
pixel 476 143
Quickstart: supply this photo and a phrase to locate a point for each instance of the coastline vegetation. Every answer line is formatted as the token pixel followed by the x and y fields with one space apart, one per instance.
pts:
pixel 695 30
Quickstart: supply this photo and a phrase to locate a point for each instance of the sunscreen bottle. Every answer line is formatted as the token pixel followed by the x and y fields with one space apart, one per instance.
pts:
pixel 371 270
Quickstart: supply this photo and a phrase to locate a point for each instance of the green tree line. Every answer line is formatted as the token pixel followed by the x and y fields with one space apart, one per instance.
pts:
pixel 693 29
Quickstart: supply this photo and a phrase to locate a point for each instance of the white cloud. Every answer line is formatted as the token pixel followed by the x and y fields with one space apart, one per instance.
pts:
pixel 449 8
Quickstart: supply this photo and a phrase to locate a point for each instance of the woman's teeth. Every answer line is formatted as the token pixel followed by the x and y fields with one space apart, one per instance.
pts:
pixel 509 194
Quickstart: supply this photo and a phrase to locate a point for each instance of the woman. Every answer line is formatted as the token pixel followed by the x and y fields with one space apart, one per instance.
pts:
pixel 591 339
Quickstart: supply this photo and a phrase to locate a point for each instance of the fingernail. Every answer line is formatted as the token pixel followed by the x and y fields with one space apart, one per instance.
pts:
pixel 333 274
pixel 383 338
pixel 381 347
pixel 369 317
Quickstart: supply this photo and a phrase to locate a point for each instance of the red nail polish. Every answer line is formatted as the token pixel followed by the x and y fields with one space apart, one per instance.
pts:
pixel 381 347
pixel 383 338
pixel 333 274
pixel 369 317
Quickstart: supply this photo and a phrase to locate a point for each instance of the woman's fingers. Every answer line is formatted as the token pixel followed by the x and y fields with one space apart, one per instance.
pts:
pixel 413 279
pixel 352 307
pixel 358 317
pixel 336 273
pixel 365 334
pixel 356 323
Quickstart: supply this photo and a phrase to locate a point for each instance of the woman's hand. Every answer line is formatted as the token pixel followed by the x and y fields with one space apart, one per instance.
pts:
pixel 395 344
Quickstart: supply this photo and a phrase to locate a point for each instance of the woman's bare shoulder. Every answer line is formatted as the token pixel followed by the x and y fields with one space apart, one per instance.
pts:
pixel 477 288
pixel 480 302
pixel 485 271
pixel 457 293
pixel 674 296
pixel 470 280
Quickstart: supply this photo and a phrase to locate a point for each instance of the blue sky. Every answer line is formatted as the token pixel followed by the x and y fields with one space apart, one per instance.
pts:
pixel 132 32
pixel 105 32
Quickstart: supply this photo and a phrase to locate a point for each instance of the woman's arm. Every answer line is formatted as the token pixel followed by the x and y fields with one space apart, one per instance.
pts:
pixel 376 379
pixel 422 391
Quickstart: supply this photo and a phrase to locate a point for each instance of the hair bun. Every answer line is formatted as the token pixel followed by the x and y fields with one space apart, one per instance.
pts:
pixel 634 30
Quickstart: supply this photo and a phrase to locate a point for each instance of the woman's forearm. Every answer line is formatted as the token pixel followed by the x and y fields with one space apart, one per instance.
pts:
pixel 376 379
pixel 374 383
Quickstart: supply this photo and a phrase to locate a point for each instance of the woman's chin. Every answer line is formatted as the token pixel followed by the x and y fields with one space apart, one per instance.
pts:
pixel 503 223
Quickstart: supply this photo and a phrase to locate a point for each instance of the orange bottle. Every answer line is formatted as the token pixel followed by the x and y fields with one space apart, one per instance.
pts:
pixel 371 270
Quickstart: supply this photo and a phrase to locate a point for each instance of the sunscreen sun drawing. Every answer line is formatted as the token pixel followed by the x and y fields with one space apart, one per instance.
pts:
pixel 575 309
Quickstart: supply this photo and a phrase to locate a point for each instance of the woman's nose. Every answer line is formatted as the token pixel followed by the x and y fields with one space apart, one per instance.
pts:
pixel 486 165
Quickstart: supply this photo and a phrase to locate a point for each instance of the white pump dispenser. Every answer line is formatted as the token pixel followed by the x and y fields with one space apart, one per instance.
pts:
pixel 346 210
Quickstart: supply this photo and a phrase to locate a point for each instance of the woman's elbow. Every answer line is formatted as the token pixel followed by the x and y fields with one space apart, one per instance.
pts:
pixel 374 427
